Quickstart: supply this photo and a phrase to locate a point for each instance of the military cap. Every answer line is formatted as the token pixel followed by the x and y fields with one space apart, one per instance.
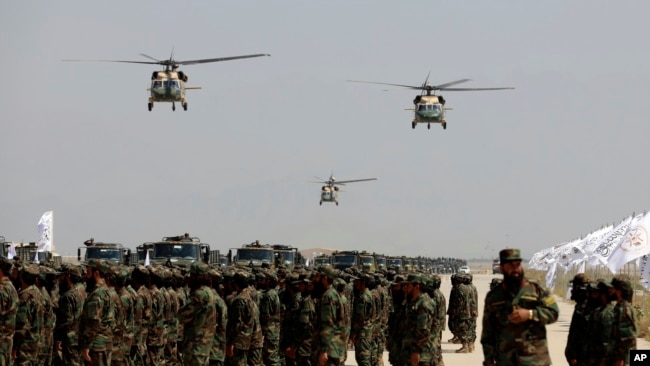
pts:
pixel 72 270
pixel 509 255
pixel 102 267
pixel 46 271
pixel 5 265
pixel 339 282
pixel 580 280
pixel 414 278
pixel 604 286
pixel 330 272
pixel 621 282
pixel 398 279
pixel 199 268
pixel 141 270
pixel 31 269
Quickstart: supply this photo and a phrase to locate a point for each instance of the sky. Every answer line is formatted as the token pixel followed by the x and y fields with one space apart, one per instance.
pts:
pixel 555 159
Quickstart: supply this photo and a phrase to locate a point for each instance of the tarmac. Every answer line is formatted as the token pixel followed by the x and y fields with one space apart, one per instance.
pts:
pixel 556 333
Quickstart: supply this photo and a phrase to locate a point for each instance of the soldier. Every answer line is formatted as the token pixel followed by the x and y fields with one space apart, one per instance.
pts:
pixel 417 343
pixel 68 315
pixel 199 316
pixel 128 303
pixel 156 332
pixel 45 283
pixel 241 322
pixel 8 309
pixel 117 352
pixel 29 318
pixel 291 300
pixel 452 310
pixel 142 300
pixel 395 321
pixel 302 329
pixel 515 317
pixel 439 316
pixel 257 340
pixel 599 336
pixel 218 349
pixel 473 305
pixel 576 347
pixel 97 317
pixel 625 330
pixel 342 288
pixel 363 315
pixel 331 321
pixel 270 320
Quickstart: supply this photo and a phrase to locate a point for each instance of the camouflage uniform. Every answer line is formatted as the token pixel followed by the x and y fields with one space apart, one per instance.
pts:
pixel 364 315
pixel 117 352
pixel 419 322
pixel 156 331
pixel 68 315
pixel 270 324
pixel 625 330
pixel 507 343
pixel 98 320
pixel 241 322
pixel 29 319
pixel 218 350
pixel 49 319
pixel 8 309
pixel 140 276
pixel 455 298
pixel 331 323
pixel 303 330
pixel 599 335
pixel 199 316
pixel 396 325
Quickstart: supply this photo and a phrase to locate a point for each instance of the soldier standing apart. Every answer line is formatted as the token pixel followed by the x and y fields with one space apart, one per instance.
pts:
pixel 97 317
pixel 199 316
pixel 332 324
pixel 515 317
pixel 8 308
pixel 29 318
pixel 418 342
pixel 625 330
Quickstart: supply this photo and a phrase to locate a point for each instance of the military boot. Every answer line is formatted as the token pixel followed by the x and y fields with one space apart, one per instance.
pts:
pixel 464 349
pixel 454 340
pixel 471 347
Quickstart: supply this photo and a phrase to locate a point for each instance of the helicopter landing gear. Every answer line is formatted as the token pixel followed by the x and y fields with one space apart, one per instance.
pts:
pixel 413 124
pixel 184 106
pixel 337 202
pixel 428 126
pixel 320 203
pixel 444 125
pixel 150 106
pixel 173 106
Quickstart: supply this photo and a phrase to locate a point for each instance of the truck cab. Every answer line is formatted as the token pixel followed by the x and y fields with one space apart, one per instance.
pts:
pixel 181 250
pixel 111 252
pixel 254 255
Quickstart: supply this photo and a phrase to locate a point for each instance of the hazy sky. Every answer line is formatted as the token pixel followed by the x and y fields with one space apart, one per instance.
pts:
pixel 554 159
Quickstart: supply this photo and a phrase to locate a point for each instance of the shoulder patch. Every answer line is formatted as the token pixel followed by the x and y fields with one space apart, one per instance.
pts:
pixel 548 300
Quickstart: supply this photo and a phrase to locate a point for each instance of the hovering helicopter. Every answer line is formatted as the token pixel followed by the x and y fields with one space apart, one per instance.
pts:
pixel 330 192
pixel 168 85
pixel 430 108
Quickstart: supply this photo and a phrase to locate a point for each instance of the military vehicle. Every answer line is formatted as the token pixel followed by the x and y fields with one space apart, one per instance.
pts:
pixel 395 263
pixel 368 261
pixel 254 255
pixel 288 256
pixel 380 259
pixel 28 252
pixel 346 259
pixel 496 266
pixel 179 251
pixel 430 108
pixel 322 260
pixel 112 252
pixel 168 85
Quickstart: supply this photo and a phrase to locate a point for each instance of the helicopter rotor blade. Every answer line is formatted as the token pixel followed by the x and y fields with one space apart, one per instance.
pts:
pixel 149 57
pixel 128 62
pixel 426 82
pixel 342 182
pixel 451 83
pixel 474 89
pixel 219 59
pixel 374 82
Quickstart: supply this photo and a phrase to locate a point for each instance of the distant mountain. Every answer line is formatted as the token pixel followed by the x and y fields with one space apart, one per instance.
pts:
pixel 309 253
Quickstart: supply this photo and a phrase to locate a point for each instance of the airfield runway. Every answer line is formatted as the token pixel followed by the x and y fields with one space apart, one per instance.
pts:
pixel 557 332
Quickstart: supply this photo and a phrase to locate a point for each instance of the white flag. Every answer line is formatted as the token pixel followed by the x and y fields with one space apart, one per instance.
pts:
pixel 12 251
pixel 606 245
pixel 36 258
pixel 634 244
pixel 550 276
pixel 146 259
pixel 644 278
pixel 45 231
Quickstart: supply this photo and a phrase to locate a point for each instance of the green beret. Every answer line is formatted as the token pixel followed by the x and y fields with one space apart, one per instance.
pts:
pixel 509 255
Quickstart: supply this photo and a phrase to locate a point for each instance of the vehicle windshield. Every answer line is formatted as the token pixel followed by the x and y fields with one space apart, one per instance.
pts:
pixel 367 260
pixel 285 257
pixel 184 251
pixel 109 254
pixel 255 255
pixel 322 261
pixel 394 262
pixel 381 262
pixel 171 83
pixel 344 259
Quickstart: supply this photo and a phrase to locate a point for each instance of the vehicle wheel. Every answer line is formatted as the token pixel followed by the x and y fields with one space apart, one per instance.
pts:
pixel 150 106
pixel 185 106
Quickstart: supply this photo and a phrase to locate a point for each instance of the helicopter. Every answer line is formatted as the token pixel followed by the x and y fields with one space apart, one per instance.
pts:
pixel 330 192
pixel 168 85
pixel 430 108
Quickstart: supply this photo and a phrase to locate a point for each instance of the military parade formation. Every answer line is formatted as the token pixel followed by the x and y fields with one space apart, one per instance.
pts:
pixel 101 313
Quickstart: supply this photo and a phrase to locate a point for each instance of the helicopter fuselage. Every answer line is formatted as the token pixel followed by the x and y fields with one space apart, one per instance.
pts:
pixel 429 109
pixel 167 86
pixel 329 194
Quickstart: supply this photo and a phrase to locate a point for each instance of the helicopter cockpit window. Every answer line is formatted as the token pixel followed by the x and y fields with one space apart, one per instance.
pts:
pixel 157 84
pixel 436 107
pixel 171 84
pixel 422 107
